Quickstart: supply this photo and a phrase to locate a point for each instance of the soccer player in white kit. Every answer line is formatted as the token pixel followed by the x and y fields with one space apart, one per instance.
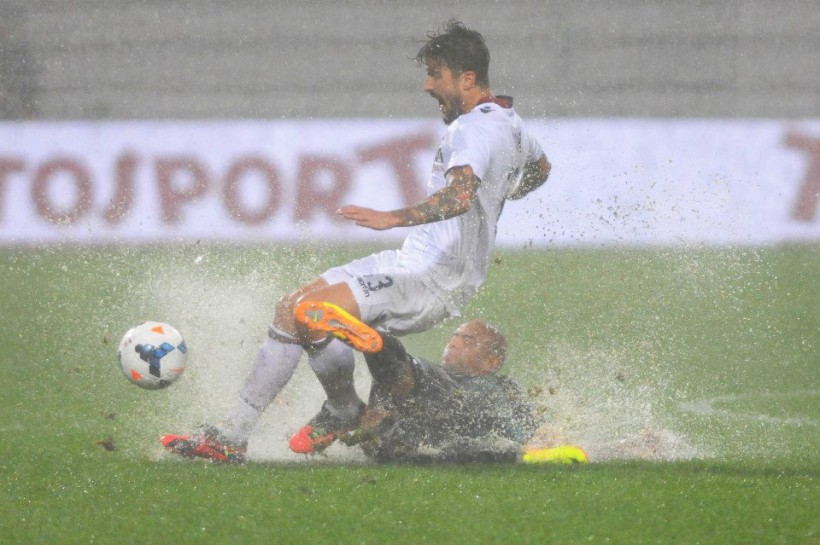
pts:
pixel 485 157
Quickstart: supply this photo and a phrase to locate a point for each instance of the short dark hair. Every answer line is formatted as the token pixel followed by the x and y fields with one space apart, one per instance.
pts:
pixel 460 49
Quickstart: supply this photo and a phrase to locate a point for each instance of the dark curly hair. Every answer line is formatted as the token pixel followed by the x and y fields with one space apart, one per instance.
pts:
pixel 460 49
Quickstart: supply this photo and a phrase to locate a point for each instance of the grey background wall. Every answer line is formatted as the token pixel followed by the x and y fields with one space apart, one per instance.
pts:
pixel 201 59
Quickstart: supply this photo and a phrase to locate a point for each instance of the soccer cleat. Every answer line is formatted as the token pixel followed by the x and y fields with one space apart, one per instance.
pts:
pixel 209 445
pixel 322 430
pixel 332 319
pixel 565 454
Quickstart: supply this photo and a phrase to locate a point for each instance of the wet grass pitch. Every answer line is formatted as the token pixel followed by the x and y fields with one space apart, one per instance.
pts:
pixel 715 351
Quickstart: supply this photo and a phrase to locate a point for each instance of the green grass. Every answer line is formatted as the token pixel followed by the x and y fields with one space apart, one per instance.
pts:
pixel 719 346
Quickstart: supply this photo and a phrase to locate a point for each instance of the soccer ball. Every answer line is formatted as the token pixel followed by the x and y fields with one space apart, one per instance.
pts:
pixel 153 355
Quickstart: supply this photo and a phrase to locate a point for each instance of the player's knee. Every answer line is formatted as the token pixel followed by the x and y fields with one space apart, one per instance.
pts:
pixel 307 336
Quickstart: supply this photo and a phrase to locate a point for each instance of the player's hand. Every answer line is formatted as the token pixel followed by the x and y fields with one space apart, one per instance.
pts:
pixel 367 217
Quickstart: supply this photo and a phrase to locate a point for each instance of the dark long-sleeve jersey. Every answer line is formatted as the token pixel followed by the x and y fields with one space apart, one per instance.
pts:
pixel 443 410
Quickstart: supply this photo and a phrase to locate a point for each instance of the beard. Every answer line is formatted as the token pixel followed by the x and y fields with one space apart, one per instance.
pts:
pixel 450 108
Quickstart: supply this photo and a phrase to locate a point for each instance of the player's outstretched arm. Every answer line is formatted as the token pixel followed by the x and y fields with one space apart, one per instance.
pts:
pixel 535 174
pixel 453 200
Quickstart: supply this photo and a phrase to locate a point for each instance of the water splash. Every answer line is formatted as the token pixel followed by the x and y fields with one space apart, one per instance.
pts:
pixel 591 399
pixel 223 309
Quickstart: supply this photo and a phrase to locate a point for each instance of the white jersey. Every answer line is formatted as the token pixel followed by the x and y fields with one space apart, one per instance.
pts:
pixel 452 256
pixel 441 265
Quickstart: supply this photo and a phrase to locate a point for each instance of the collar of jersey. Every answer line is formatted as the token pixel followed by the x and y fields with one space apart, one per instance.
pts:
pixel 502 100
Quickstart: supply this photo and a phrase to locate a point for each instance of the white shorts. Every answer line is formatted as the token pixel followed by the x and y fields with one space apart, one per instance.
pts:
pixel 391 299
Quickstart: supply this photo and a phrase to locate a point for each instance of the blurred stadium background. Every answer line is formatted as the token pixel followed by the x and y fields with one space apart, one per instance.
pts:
pixel 203 59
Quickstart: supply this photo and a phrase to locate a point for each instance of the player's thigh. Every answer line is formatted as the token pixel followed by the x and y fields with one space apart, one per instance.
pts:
pixel 338 293
pixel 410 308
pixel 395 302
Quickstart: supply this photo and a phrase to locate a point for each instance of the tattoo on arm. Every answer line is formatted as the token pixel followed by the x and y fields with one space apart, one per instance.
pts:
pixel 453 200
pixel 535 174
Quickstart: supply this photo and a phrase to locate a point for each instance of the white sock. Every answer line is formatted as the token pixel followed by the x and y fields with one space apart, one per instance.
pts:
pixel 273 366
pixel 333 365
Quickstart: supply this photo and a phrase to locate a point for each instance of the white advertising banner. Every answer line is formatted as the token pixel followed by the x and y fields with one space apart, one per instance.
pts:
pixel 630 181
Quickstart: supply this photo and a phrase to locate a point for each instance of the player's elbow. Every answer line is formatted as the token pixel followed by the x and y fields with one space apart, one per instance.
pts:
pixel 539 171
pixel 534 176
pixel 546 168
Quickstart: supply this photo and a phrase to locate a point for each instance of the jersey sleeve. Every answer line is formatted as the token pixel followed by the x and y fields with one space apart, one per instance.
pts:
pixel 531 147
pixel 531 151
pixel 469 148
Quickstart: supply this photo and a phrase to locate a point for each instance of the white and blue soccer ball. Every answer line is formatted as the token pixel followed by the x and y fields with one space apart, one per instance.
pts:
pixel 153 355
